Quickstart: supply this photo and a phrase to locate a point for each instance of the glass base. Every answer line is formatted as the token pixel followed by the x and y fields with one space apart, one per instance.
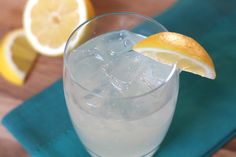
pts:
pixel 150 154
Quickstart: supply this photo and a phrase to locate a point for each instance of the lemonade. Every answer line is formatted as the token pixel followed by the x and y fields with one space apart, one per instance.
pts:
pixel 121 83
pixel 121 103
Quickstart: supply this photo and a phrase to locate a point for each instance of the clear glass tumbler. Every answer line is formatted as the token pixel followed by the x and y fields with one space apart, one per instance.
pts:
pixel 121 103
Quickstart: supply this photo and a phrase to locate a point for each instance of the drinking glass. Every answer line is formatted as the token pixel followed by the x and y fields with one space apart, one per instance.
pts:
pixel 121 103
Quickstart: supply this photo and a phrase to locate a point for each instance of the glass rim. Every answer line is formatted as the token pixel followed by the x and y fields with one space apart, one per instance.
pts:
pixel 172 71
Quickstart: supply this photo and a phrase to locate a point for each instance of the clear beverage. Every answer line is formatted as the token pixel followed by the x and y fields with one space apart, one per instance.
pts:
pixel 121 103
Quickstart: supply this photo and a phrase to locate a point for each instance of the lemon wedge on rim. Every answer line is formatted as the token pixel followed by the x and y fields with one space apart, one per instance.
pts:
pixel 175 48
pixel 48 24
pixel 16 57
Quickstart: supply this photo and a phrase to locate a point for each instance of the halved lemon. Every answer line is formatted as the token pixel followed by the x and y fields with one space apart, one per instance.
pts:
pixel 175 48
pixel 16 57
pixel 48 23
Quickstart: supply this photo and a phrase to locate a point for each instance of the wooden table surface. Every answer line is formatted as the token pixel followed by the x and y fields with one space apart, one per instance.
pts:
pixel 47 70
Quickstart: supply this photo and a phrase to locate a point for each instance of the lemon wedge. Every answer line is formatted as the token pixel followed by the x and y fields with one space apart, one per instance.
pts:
pixel 175 48
pixel 16 57
pixel 48 24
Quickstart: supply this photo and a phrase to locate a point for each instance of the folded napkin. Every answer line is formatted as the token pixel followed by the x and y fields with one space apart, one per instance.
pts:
pixel 205 116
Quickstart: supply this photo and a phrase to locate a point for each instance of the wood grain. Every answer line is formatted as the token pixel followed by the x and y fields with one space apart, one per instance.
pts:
pixel 47 70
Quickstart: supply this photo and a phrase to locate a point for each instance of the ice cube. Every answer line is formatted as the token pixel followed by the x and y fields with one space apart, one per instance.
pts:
pixel 109 59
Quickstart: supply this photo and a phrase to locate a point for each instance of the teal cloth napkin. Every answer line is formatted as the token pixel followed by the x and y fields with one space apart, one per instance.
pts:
pixel 205 116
